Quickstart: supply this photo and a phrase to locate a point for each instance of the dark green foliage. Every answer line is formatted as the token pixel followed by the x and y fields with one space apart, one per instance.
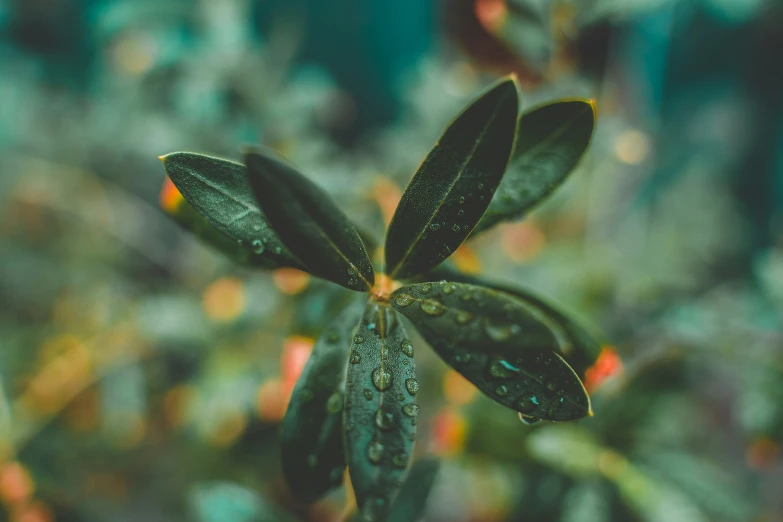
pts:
pixel 220 191
pixel 454 185
pixel 581 349
pixel 355 402
pixel 311 437
pixel 550 142
pixel 310 223
pixel 380 409
pixel 413 496
pixel 505 347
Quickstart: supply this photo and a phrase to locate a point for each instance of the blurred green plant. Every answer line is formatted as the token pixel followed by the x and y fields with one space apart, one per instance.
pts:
pixel 355 403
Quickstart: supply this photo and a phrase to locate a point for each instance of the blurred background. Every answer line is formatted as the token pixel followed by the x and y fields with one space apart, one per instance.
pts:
pixel 143 376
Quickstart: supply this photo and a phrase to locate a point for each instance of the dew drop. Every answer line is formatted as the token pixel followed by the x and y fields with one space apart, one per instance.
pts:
pixel 411 410
pixel 382 378
pixel 367 394
pixel 404 300
pixel 480 186
pixel 449 288
pixel 434 227
pixel 400 460
pixel 356 357
pixel 384 352
pixel 455 228
pixel 501 332
pixel 400 397
pixel 425 288
pixel 375 452
pixel 384 420
pixel 258 246
pixel 528 419
pixel 462 199
pixel 460 212
pixel 501 369
pixel 528 404
pixel 463 317
pixel 501 390
pixel 467 296
pixel 358 339
pixel 334 404
pixel 278 250
pixel 433 308
pixel 412 385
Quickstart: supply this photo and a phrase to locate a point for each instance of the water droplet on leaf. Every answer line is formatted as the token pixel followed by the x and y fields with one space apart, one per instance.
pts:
pixel 432 307
pixel 412 385
pixel 382 378
pixel 411 410
pixel 407 348
pixel 375 452
pixel 404 300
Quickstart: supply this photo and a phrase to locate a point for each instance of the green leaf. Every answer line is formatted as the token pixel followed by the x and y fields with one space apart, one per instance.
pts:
pixel 312 431
pixel 504 347
pixel 413 496
pixel 380 409
pixel 551 140
pixel 581 350
pixel 227 502
pixel 219 191
pixel 454 185
pixel 310 224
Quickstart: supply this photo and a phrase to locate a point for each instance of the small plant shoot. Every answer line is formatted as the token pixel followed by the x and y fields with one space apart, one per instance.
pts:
pixel 355 403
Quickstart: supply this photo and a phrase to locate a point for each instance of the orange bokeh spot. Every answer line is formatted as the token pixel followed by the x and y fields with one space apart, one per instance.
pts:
pixel 16 484
pixel 457 389
pixel 170 197
pixel 290 280
pixel 491 13
pixel 387 196
pixel 466 260
pixel 763 453
pixel 34 512
pixel 296 351
pixel 224 300
pixel 523 241
pixel 271 403
pixel 606 365
pixel 449 430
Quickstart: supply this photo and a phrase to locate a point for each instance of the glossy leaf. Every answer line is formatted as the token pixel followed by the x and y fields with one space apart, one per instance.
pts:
pixel 454 185
pixel 581 349
pixel 312 431
pixel 218 190
pixel 380 410
pixel 551 140
pixel 309 223
pixel 504 347
pixel 412 500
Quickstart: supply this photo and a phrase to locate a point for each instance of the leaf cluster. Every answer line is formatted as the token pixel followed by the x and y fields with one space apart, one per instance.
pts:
pixel 355 403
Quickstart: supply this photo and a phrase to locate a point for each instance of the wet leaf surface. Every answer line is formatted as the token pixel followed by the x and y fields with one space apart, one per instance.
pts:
pixel 380 410
pixel 312 430
pixel 454 185
pixel 218 190
pixel 551 140
pixel 507 349
pixel 412 500
pixel 309 222
pixel 581 350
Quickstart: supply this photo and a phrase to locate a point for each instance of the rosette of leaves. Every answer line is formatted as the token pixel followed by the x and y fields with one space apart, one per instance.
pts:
pixel 355 403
